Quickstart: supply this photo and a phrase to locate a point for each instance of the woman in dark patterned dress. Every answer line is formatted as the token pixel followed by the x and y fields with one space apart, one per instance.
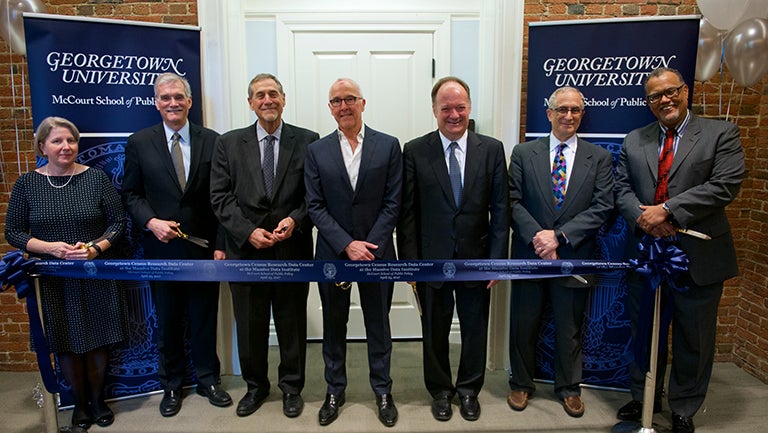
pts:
pixel 54 213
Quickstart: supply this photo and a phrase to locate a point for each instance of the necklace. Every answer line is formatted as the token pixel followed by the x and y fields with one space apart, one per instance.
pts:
pixel 48 177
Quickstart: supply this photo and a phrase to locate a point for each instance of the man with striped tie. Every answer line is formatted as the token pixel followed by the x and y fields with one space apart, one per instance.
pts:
pixel 560 193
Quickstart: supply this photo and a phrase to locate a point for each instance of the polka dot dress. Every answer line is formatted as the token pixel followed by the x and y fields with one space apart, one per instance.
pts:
pixel 80 314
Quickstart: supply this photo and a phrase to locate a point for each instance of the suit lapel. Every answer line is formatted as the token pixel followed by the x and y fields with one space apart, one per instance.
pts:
pixel 252 155
pixel 287 147
pixel 651 140
pixel 542 168
pixel 369 148
pixel 582 164
pixel 196 150
pixel 686 144
pixel 472 162
pixel 436 155
pixel 334 153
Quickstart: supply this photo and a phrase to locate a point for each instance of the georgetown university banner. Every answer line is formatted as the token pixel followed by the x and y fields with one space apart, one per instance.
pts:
pixel 608 60
pixel 100 74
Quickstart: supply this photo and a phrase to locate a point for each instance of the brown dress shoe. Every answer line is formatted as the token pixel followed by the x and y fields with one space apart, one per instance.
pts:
pixel 517 400
pixel 573 406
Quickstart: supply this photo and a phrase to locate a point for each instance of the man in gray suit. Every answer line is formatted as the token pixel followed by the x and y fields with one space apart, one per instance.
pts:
pixel 257 193
pixel 705 175
pixel 353 180
pixel 454 207
pixel 560 193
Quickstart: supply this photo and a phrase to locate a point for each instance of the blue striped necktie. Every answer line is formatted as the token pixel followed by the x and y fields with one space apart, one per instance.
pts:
pixel 454 172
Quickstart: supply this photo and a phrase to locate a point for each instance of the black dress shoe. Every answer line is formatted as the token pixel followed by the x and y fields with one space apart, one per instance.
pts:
pixel 103 414
pixel 470 407
pixel 682 424
pixel 81 417
pixel 250 402
pixel 633 410
pixel 216 396
pixel 330 409
pixel 441 409
pixel 170 405
pixel 293 404
pixel 387 409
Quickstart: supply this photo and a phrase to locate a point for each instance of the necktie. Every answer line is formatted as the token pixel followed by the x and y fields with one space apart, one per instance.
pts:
pixel 268 164
pixel 178 160
pixel 665 163
pixel 454 172
pixel 558 176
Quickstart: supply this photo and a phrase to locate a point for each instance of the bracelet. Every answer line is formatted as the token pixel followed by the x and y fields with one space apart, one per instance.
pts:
pixel 98 249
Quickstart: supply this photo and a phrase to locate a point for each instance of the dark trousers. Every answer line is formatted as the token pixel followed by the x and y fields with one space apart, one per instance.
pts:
pixel 472 304
pixel 178 304
pixel 375 301
pixel 287 303
pixel 694 329
pixel 527 305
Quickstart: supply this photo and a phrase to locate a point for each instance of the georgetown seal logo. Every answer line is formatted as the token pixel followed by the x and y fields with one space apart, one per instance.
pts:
pixel 449 270
pixel 329 270
pixel 566 268
pixel 90 268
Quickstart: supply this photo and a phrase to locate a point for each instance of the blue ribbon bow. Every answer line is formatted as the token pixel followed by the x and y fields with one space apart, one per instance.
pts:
pixel 661 262
pixel 15 271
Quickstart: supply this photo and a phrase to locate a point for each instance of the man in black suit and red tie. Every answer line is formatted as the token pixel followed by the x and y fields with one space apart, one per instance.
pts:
pixel 165 190
pixel 257 192
pixel 680 172
pixel 560 193
pixel 353 179
pixel 454 207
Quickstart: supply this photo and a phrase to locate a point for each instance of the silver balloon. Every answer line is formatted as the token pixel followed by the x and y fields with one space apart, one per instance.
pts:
pixel 12 21
pixel 746 51
pixel 709 55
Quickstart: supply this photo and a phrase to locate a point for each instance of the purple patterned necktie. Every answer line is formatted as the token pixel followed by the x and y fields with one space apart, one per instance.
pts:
pixel 268 164
pixel 558 176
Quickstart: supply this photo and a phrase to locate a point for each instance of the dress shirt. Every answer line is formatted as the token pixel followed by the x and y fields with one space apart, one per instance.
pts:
pixel 262 134
pixel 186 148
pixel 569 152
pixel 352 159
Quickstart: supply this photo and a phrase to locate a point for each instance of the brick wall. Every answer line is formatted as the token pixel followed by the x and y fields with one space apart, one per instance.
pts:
pixel 16 126
pixel 743 321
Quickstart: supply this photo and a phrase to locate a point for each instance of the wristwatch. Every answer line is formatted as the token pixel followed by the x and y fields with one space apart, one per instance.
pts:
pixel 665 206
pixel 561 239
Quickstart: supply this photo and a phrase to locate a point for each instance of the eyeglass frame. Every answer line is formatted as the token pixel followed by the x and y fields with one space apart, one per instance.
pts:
pixel 563 111
pixel 670 93
pixel 349 100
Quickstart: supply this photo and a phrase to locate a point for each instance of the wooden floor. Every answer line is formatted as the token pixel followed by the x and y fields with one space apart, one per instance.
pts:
pixel 736 403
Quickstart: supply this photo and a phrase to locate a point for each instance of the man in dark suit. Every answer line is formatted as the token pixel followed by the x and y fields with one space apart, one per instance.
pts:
pixel 560 193
pixel 454 207
pixel 257 192
pixel 707 168
pixel 166 189
pixel 353 179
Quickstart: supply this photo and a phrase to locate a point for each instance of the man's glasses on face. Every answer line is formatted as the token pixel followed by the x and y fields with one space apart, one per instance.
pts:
pixel 563 111
pixel 670 93
pixel 349 100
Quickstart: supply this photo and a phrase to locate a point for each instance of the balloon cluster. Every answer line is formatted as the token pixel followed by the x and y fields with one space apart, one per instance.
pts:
pixel 735 31
pixel 12 21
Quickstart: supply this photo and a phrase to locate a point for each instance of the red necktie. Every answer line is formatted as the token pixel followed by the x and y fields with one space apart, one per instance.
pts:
pixel 665 163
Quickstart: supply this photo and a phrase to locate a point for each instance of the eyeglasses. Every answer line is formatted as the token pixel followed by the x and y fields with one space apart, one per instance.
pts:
pixel 349 100
pixel 167 98
pixel 670 93
pixel 563 111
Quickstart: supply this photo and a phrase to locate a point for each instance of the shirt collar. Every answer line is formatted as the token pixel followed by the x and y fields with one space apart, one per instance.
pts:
pixel 462 141
pixel 262 133
pixel 680 129
pixel 570 142
pixel 183 132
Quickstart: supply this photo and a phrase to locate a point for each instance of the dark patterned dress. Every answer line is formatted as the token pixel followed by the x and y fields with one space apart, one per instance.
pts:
pixel 80 314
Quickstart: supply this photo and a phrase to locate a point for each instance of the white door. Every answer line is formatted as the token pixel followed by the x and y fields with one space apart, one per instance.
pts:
pixel 394 71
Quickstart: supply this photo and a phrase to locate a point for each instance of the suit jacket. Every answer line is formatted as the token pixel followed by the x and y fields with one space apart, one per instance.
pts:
pixel 239 198
pixel 432 225
pixel 151 189
pixel 588 199
pixel 705 177
pixel 370 211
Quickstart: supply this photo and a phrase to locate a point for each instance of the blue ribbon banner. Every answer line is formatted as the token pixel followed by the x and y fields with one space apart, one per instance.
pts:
pixel 323 271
